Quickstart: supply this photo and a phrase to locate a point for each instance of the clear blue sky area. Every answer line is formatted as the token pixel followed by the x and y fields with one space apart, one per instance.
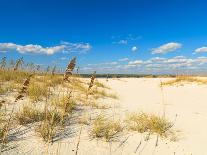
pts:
pixel 109 36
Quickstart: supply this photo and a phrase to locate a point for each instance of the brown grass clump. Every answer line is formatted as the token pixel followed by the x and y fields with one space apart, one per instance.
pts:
pixel 143 122
pixel 105 128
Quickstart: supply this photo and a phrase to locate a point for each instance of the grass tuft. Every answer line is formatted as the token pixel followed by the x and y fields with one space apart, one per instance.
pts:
pixel 105 128
pixel 143 122
pixel 29 114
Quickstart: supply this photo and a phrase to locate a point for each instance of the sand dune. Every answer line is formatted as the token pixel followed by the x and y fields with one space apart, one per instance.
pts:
pixel 184 105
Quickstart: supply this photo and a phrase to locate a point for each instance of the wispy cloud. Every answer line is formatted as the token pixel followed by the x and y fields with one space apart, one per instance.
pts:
pixel 124 42
pixel 76 47
pixel 201 50
pixel 38 49
pixel 124 59
pixel 169 47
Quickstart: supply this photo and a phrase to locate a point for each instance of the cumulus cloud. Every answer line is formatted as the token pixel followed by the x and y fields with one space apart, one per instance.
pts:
pixel 169 47
pixel 157 64
pixel 201 50
pixel 38 49
pixel 134 49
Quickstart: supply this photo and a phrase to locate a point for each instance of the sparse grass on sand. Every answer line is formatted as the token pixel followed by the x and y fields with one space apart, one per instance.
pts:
pixel 29 114
pixel 48 127
pixel 105 128
pixel 182 79
pixel 57 100
pixel 153 124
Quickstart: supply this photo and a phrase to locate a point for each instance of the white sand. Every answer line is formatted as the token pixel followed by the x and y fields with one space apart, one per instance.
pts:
pixel 188 102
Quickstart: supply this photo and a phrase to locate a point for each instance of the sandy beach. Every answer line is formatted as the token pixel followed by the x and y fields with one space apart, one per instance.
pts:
pixel 184 105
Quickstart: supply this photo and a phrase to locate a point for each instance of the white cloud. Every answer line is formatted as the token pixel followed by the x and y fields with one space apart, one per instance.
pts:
pixel 77 47
pixel 201 50
pixel 136 62
pixel 134 49
pixel 157 59
pixel 157 64
pixel 124 59
pixel 169 47
pixel 38 49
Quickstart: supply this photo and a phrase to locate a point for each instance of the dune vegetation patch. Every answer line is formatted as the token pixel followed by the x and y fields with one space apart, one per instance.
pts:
pixel 106 129
pixel 150 123
pixel 54 105
pixel 180 80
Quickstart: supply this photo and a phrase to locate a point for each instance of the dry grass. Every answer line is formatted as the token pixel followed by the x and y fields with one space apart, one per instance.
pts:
pixel 100 85
pixel 143 122
pixel 49 120
pixel 182 79
pixel 101 93
pixel 3 129
pixel 29 114
pixel 10 75
pixel 66 103
pixel 39 87
pixel 49 80
pixel 36 91
pixel 3 90
pixel 69 69
pixel 50 125
pixel 105 128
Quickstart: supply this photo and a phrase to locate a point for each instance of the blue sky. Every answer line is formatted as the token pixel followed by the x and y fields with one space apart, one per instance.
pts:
pixel 110 36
